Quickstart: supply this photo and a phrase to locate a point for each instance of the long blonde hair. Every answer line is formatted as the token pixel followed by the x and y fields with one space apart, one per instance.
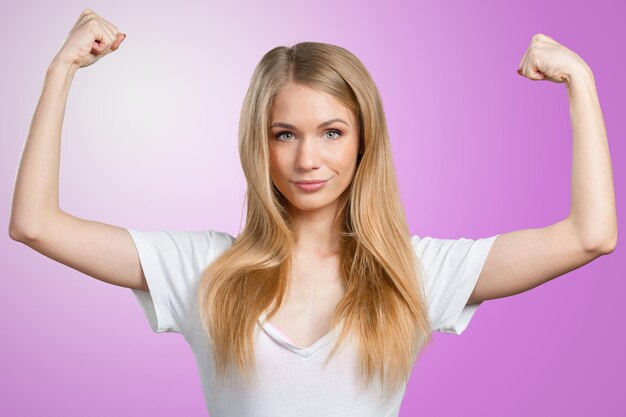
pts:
pixel 384 306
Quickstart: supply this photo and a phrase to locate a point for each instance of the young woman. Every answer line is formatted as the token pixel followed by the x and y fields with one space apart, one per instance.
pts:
pixel 323 302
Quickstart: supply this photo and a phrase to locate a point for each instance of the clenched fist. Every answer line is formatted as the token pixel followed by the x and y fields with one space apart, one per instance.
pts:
pixel 91 38
pixel 546 59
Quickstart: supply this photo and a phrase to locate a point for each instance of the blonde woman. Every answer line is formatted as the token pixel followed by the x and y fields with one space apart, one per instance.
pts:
pixel 322 304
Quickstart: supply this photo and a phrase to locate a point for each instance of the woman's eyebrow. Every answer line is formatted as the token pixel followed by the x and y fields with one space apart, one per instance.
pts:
pixel 290 126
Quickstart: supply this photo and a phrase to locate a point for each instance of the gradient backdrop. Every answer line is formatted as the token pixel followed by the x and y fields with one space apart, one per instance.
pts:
pixel 150 142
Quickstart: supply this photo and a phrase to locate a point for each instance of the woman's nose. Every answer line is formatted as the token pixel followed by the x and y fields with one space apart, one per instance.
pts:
pixel 307 154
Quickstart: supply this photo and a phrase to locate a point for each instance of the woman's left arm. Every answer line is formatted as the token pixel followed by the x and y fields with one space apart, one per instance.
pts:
pixel 523 259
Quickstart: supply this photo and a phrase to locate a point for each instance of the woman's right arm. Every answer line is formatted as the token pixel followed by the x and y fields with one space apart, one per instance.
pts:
pixel 103 251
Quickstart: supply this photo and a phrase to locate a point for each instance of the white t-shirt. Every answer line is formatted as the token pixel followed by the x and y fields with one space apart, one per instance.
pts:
pixel 292 379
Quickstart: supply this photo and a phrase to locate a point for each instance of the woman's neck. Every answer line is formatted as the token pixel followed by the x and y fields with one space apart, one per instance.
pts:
pixel 316 232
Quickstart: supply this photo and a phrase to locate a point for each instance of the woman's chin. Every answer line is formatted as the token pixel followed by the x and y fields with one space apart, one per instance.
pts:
pixel 310 205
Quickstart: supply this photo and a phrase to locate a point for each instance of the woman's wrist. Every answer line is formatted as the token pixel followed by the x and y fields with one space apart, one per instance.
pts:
pixel 58 65
pixel 580 73
pixel 580 78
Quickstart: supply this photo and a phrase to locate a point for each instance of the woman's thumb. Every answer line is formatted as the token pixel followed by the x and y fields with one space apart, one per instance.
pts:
pixel 101 49
pixel 120 38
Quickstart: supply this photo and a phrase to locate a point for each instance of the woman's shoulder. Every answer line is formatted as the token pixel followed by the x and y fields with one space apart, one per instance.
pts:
pixel 219 237
pixel 213 242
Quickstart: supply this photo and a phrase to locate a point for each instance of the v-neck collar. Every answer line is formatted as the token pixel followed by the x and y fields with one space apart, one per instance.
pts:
pixel 305 352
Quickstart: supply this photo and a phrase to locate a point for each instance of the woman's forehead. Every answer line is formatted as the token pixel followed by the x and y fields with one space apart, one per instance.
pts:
pixel 302 105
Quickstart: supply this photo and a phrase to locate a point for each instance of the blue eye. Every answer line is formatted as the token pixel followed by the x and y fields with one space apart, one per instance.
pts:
pixel 334 131
pixel 278 135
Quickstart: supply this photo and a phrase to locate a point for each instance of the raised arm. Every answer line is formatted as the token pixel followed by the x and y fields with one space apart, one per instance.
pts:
pixel 102 251
pixel 524 259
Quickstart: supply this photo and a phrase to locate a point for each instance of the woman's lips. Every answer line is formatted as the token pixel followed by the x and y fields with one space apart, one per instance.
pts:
pixel 310 186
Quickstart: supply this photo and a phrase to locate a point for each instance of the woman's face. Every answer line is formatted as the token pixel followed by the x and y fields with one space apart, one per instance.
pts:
pixel 303 146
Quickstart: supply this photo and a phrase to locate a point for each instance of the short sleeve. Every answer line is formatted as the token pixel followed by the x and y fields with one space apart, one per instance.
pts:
pixel 173 262
pixel 451 268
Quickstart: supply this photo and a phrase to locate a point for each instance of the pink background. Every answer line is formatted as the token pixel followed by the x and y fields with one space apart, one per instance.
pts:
pixel 150 142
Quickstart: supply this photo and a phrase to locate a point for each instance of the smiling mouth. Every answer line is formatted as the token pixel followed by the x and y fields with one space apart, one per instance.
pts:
pixel 311 185
pixel 310 181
